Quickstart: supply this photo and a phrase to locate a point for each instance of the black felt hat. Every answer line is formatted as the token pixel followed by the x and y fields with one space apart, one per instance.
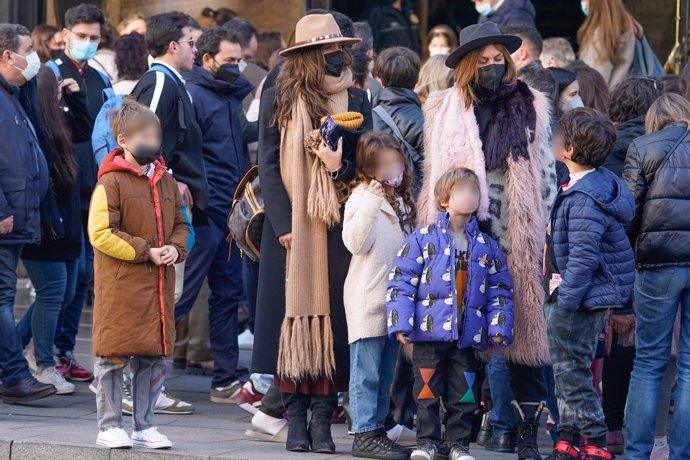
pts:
pixel 479 35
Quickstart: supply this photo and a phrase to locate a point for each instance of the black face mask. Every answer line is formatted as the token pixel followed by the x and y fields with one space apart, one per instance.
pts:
pixel 228 73
pixel 490 76
pixel 55 53
pixel 335 62
pixel 145 154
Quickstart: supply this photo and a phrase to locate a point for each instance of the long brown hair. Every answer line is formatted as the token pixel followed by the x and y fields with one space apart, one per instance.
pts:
pixel 368 147
pixel 440 30
pixel 594 90
pixel 41 37
pixel 467 72
pixel 610 20
pixel 669 108
pixel 301 76
pixel 64 169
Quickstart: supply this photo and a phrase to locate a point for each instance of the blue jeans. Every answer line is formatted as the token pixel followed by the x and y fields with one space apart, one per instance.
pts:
pixel 502 416
pixel 70 315
pixel 209 259
pixel 55 283
pixel 658 294
pixel 13 367
pixel 372 362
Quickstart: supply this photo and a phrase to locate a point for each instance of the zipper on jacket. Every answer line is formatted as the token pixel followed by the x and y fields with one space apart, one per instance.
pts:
pixel 453 284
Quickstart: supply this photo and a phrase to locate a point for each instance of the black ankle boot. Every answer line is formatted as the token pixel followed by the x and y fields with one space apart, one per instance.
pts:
pixel 485 431
pixel 322 408
pixel 375 444
pixel 298 435
pixel 528 429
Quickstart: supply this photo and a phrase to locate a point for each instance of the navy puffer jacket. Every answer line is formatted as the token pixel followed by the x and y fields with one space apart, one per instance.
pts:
pixel 593 253
pixel 661 228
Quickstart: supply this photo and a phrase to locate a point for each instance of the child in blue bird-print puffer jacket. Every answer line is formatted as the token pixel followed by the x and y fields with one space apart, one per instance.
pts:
pixel 421 296
pixel 449 292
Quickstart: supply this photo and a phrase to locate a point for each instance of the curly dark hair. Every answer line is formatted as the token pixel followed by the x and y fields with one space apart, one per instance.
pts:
pixel 131 56
pixel 632 98
pixel 590 133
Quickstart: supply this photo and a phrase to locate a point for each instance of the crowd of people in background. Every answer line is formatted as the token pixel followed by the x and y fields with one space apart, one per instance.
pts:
pixel 469 230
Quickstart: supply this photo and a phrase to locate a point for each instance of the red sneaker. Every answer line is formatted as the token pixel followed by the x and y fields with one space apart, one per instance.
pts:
pixel 563 450
pixel 597 453
pixel 248 398
pixel 74 370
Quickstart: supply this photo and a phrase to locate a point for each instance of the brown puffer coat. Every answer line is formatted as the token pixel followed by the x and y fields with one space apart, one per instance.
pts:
pixel 134 299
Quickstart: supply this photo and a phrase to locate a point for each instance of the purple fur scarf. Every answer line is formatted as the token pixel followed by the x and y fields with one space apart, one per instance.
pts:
pixel 512 108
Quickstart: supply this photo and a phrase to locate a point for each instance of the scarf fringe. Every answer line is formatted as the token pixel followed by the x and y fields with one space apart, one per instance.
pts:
pixel 323 202
pixel 306 348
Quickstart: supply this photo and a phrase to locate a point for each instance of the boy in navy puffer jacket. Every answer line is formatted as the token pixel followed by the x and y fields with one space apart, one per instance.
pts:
pixel 590 268
pixel 450 293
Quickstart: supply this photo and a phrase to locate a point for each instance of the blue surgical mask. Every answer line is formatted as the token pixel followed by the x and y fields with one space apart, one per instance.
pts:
pixel 82 51
pixel 583 5
pixel 483 9
pixel 574 103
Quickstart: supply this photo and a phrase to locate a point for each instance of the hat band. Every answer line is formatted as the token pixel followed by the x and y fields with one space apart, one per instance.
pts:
pixel 317 39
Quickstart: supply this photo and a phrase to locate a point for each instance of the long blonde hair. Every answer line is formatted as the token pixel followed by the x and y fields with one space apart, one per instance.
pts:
pixel 669 108
pixel 434 76
pixel 610 20
pixel 467 72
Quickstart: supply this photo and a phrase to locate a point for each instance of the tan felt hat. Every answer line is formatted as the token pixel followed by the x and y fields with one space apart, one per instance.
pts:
pixel 317 29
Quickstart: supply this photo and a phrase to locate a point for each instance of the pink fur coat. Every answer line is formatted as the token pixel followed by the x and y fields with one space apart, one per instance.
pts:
pixel 516 202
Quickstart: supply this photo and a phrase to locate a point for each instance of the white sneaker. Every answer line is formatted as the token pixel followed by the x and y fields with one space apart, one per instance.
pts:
pixel 30 357
pixel 661 450
pixel 51 376
pixel 151 438
pixel 168 403
pixel 114 438
pixel 246 340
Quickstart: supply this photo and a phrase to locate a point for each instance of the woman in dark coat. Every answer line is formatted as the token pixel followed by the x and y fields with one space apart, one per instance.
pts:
pixel 300 332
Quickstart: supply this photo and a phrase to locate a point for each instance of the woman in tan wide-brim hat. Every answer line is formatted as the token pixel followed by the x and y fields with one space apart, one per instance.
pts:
pixel 300 331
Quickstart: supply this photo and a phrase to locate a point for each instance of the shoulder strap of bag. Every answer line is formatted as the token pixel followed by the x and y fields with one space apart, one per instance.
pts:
pixel 388 120
pixel 670 152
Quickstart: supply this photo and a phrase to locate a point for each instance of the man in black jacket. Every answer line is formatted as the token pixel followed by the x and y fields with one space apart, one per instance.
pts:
pixel 394 25
pixel 170 42
pixel 82 35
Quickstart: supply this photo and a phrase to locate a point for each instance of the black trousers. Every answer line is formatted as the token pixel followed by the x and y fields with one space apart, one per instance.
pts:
pixel 617 369
pixel 527 383
pixel 442 370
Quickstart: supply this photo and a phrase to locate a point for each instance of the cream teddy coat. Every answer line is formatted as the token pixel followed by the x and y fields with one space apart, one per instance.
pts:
pixel 372 233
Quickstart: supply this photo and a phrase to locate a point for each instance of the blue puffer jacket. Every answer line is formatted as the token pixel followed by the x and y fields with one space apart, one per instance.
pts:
pixel 422 296
pixel 593 253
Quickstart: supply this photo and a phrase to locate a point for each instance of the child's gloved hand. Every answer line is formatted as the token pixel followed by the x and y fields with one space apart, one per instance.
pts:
pixel 402 338
pixel 169 255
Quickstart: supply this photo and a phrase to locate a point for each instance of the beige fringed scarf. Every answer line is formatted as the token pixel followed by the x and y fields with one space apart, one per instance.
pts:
pixel 306 338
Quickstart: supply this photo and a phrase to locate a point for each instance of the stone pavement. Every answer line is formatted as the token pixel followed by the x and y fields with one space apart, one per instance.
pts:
pixel 64 428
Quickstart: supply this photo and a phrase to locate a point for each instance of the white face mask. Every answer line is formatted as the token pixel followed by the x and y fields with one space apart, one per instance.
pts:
pixel 574 103
pixel 33 65
pixel 242 65
pixel 436 50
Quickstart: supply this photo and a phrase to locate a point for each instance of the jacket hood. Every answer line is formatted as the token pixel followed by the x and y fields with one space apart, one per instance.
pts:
pixel 115 161
pixel 395 96
pixel 202 77
pixel 609 192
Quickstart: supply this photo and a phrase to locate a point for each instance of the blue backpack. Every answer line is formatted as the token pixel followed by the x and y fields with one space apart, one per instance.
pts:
pixel 102 140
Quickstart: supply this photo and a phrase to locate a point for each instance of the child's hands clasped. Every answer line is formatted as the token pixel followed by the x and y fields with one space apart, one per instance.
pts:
pixel 375 188
pixel 167 255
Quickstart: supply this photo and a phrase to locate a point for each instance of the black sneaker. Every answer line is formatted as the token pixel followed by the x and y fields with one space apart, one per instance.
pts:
pixel 424 452
pixel 378 445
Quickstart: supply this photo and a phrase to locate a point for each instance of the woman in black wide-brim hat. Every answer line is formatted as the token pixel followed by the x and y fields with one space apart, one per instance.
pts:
pixel 300 328
pixel 495 125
